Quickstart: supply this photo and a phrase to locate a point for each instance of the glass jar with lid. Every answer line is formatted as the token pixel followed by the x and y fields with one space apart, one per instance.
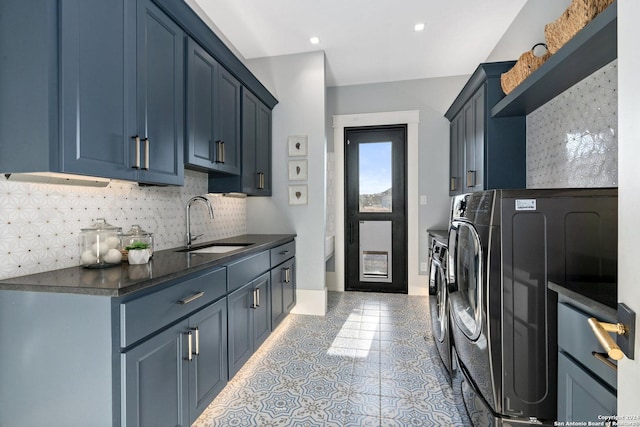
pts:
pixel 100 245
pixel 137 238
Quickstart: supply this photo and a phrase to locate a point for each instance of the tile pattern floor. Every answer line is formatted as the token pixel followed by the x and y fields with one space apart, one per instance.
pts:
pixel 366 363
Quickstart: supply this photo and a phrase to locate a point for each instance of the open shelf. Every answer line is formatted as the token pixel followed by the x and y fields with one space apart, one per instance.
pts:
pixel 592 48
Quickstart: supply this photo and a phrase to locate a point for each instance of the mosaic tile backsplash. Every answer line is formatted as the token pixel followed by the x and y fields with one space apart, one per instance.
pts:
pixel 572 141
pixel 40 223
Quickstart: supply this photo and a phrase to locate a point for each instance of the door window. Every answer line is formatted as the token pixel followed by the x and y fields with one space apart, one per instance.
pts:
pixel 375 177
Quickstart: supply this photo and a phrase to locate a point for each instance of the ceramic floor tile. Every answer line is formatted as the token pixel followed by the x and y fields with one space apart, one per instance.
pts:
pixel 366 363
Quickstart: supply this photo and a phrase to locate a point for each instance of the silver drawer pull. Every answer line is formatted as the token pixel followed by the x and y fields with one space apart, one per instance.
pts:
pixel 603 358
pixel 284 253
pixel 191 298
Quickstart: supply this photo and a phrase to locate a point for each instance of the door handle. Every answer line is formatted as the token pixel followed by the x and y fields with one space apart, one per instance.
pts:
pixel 146 154
pixel 453 185
pixel 287 275
pixel 189 357
pixel 196 331
pixel 471 178
pixel 351 233
pixel 136 163
pixel 255 300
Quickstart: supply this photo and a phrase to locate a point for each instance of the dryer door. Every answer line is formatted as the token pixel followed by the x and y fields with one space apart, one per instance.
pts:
pixel 465 274
pixel 438 300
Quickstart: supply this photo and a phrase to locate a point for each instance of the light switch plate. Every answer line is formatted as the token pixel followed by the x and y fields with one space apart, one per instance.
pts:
pixel 626 342
pixel 423 199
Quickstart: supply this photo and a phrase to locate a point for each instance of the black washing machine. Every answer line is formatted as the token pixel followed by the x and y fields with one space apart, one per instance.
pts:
pixel 438 298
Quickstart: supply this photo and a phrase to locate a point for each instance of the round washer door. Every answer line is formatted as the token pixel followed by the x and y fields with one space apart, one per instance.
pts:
pixel 465 275
pixel 438 301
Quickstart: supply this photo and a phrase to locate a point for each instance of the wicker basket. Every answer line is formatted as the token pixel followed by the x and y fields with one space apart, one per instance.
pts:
pixel 578 14
pixel 526 64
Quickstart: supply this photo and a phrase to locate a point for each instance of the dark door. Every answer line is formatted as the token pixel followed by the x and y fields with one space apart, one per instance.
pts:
pixel 375 223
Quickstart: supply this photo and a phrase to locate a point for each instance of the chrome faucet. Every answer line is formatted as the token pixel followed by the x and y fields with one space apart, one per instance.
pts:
pixel 204 200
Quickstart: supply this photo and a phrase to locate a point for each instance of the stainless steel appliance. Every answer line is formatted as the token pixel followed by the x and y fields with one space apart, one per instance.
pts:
pixel 438 298
pixel 504 247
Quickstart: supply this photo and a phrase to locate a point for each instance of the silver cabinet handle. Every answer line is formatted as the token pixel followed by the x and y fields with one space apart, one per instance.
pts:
pixel 260 180
pixel 453 185
pixel 471 178
pixel 287 275
pixel 196 331
pixel 223 157
pixel 219 151
pixel 190 344
pixel 284 253
pixel 136 163
pixel 255 300
pixel 191 298
pixel 258 297
pixel 146 154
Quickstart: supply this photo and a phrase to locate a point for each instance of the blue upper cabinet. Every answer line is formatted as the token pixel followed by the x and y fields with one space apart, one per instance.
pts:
pixel 157 141
pixel 87 77
pixel 97 88
pixel 213 114
pixel 485 152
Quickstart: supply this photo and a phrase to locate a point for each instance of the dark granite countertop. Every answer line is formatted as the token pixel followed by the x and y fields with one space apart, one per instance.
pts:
pixel 594 297
pixel 123 279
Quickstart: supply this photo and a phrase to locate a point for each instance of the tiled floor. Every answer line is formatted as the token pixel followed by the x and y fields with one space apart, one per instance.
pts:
pixel 366 363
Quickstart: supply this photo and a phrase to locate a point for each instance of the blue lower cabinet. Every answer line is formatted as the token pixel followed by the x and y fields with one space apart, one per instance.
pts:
pixel 249 311
pixel 172 377
pixel 155 376
pixel 208 371
pixel 283 291
pixel 582 397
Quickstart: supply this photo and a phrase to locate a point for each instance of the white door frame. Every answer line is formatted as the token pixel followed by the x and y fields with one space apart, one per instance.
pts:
pixel 417 284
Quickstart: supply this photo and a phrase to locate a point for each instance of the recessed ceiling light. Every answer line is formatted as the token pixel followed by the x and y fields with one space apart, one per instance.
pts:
pixel 418 27
pixel 314 40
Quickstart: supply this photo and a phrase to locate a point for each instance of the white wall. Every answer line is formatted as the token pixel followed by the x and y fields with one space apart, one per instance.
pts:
pixel 298 82
pixel 629 192
pixel 527 28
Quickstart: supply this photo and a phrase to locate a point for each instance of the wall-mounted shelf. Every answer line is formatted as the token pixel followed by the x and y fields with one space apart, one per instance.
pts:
pixel 589 50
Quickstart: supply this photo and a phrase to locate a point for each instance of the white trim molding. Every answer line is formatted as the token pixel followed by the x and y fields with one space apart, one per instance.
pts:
pixel 417 284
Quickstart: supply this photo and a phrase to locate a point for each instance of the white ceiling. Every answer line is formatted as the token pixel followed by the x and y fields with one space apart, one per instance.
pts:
pixel 368 41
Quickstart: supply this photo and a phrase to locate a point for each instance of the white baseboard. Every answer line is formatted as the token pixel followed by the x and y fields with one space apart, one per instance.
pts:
pixel 311 302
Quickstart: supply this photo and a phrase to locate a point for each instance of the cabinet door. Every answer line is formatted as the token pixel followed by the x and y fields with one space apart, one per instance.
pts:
pixel 581 397
pixel 208 372
pixel 160 68
pixel 261 309
pixel 200 147
pixel 240 339
pixel 456 153
pixel 97 86
pixel 228 122
pixel 249 153
pixel 473 143
pixel 277 301
pixel 263 150
pixel 289 285
pixel 155 381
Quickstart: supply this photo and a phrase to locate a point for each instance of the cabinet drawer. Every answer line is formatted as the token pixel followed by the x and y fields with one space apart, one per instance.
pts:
pixel 141 316
pixel 576 338
pixel 282 253
pixel 242 272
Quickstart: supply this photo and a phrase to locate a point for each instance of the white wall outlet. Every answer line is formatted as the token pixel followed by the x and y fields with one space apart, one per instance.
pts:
pixel 424 266
pixel 423 199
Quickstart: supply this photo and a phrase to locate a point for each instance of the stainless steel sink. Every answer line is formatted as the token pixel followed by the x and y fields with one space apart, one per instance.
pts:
pixel 216 249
